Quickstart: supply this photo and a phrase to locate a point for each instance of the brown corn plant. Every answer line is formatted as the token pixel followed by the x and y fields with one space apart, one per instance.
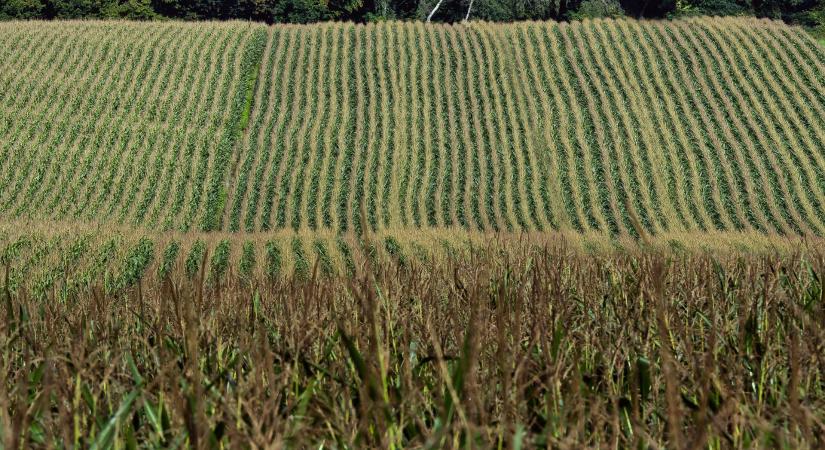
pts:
pixel 531 347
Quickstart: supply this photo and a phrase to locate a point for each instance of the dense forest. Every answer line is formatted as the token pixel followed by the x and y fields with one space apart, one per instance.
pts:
pixel 809 13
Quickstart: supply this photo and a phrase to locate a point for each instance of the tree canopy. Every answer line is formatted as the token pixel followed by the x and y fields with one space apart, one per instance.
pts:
pixel 809 13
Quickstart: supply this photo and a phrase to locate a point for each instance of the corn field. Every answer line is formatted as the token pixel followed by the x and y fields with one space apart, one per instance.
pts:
pixel 121 122
pixel 508 346
pixel 605 233
pixel 683 126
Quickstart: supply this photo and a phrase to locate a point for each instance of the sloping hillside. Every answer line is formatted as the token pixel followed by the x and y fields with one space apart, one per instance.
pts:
pixel 602 126
pixel 119 121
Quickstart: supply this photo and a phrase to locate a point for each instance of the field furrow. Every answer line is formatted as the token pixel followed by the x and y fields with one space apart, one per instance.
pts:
pixel 478 179
pixel 350 207
pixel 367 187
pixel 29 163
pixel 784 137
pixel 616 128
pixel 718 153
pixel 251 151
pixel 805 80
pixel 602 169
pixel 509 179
pixel 442 175
pixel 63 179
pixel 630 172
pixel 332 192
pixel 714 181
pixel 453 200
pixel 498 215
pixel 524 193
pixel 287 124
pixel 693 192
pixel 656 165
pixel 325 148
pixel 306 145
pixel 759 183
pixel 544 199
pixel 271 132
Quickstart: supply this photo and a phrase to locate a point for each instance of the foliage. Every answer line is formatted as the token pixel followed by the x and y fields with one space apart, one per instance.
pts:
pixel 813 19
pixel 502 347
pixel 240 105
pixel 300 11
pixel 195 260
pixel 127 87
pixel 170 255
pixel 505 10
pixel 649 8
pixel 465 127
pixel 704 7
pixel 21 9
pixel 590 9
pixel 712 124
pixel 137 261
pixel 274 260
pixel 605 233
pixel 308 11
pixel 246 266
pixel 132 10
pixel 219 263
pixel 97 9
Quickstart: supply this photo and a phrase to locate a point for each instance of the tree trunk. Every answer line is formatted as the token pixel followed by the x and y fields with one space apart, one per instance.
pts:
pixel 469 8
pixel 437 5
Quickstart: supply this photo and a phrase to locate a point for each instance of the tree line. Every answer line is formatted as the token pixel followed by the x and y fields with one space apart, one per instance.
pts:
pixel 809 13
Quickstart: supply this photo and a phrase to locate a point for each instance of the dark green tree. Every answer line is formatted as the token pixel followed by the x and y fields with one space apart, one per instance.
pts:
pixel 21 9
pixel 648 8
pixel 300 11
